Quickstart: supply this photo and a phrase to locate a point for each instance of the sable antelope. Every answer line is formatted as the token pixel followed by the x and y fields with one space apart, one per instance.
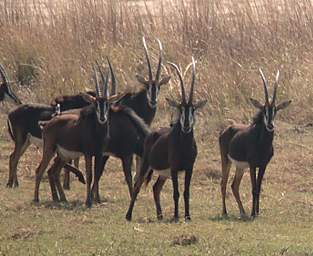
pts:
pixel 170 151
pixel 144 103
pixel 65 103
pixel 24 128
pixel 71 135
pixel 250 146
pixel 122 122
pixel 6 94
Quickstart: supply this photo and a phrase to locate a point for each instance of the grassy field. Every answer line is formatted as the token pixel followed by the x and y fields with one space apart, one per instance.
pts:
pixel 48 47
pixel 284 227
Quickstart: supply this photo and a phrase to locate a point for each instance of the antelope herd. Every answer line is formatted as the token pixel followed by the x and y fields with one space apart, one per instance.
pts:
pixel 103 123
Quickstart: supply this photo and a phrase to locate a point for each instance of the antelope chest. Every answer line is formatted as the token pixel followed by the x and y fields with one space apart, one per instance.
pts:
pixel 68 154
pixel 239 164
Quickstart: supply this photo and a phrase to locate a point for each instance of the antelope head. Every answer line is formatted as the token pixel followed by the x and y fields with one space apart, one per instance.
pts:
pixel 103 99
pixel 153 84
pixel 5 90
pixel 269 108
pixel 186 109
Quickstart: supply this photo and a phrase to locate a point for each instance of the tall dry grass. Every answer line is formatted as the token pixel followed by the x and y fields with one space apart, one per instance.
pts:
pixel 48 47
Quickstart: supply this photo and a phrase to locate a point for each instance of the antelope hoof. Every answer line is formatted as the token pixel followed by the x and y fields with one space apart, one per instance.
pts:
pixel 36 200
pixel 160 216
pixel 175 220
pixel 55 199
pixel 63 200
pixel 244 216
pixel 128 216
pixel 88 203
pixel 253 215
pixel 66 187
pixel 97 199
pixel 187 219
pixel 9 185
pixel 16 184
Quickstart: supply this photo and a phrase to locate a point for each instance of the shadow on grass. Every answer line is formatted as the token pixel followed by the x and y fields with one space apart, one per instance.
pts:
pixel 148 220
pixel 76 205
pixel 230 218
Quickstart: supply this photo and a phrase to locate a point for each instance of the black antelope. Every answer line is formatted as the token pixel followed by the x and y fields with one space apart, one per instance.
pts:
pixel 250 146
pixel 24 128
pixel 170 151
pixel 6 94
pixel 144 104
pixel 123 127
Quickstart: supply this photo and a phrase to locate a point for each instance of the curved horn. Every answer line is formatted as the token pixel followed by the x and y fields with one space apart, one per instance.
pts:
pixel 158 74
pixel 95 78
pixel 193 79
pixel 275 88
pixel 265 86
pixel 113 89
pixel 147 58
pixel 3 74
pixel 187 69
pixel 106 93
pixel 181 81
pixel 102 76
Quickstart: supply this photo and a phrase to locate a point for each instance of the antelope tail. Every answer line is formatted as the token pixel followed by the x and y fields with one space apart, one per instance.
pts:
pixel 77 172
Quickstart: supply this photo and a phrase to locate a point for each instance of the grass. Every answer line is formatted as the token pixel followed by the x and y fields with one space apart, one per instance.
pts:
pixel 284 227
pixel 48 48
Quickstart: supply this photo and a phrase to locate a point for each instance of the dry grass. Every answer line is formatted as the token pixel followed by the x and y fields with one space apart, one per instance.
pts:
pixel 48 47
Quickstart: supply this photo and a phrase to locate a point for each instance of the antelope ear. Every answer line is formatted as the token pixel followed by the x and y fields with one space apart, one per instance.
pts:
pixel 164 80
pixel 172 103
pixel 256 103
pixel 283 105
pixel 88 98
pixel 142 80
pixel 115 98
pixel 200 104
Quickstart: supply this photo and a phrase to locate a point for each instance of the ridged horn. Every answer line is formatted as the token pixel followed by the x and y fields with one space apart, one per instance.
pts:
pixel 183 94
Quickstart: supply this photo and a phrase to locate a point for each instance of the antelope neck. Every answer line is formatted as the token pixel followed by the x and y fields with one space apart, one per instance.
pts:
pixel 140 104
pixel 265 137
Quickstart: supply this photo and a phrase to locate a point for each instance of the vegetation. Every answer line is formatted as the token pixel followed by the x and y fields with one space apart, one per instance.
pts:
pixel 48 47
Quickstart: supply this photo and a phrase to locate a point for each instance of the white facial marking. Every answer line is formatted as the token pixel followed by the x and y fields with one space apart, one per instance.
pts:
pixel 149 95
pixel 191 119
pixel 105 114
pixel 266 116
pixel 182 118
pixel 266 119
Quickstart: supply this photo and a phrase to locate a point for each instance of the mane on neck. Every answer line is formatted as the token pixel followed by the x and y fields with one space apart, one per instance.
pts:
pixel 258 118
pixel 87 112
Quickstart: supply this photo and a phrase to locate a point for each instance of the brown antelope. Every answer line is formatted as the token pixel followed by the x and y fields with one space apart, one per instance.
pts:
pixel 71 135
pixel 121 121
pixel 250 146
pixel 24 128
pixel 144 103
pixel 170 151
pixel 6 94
